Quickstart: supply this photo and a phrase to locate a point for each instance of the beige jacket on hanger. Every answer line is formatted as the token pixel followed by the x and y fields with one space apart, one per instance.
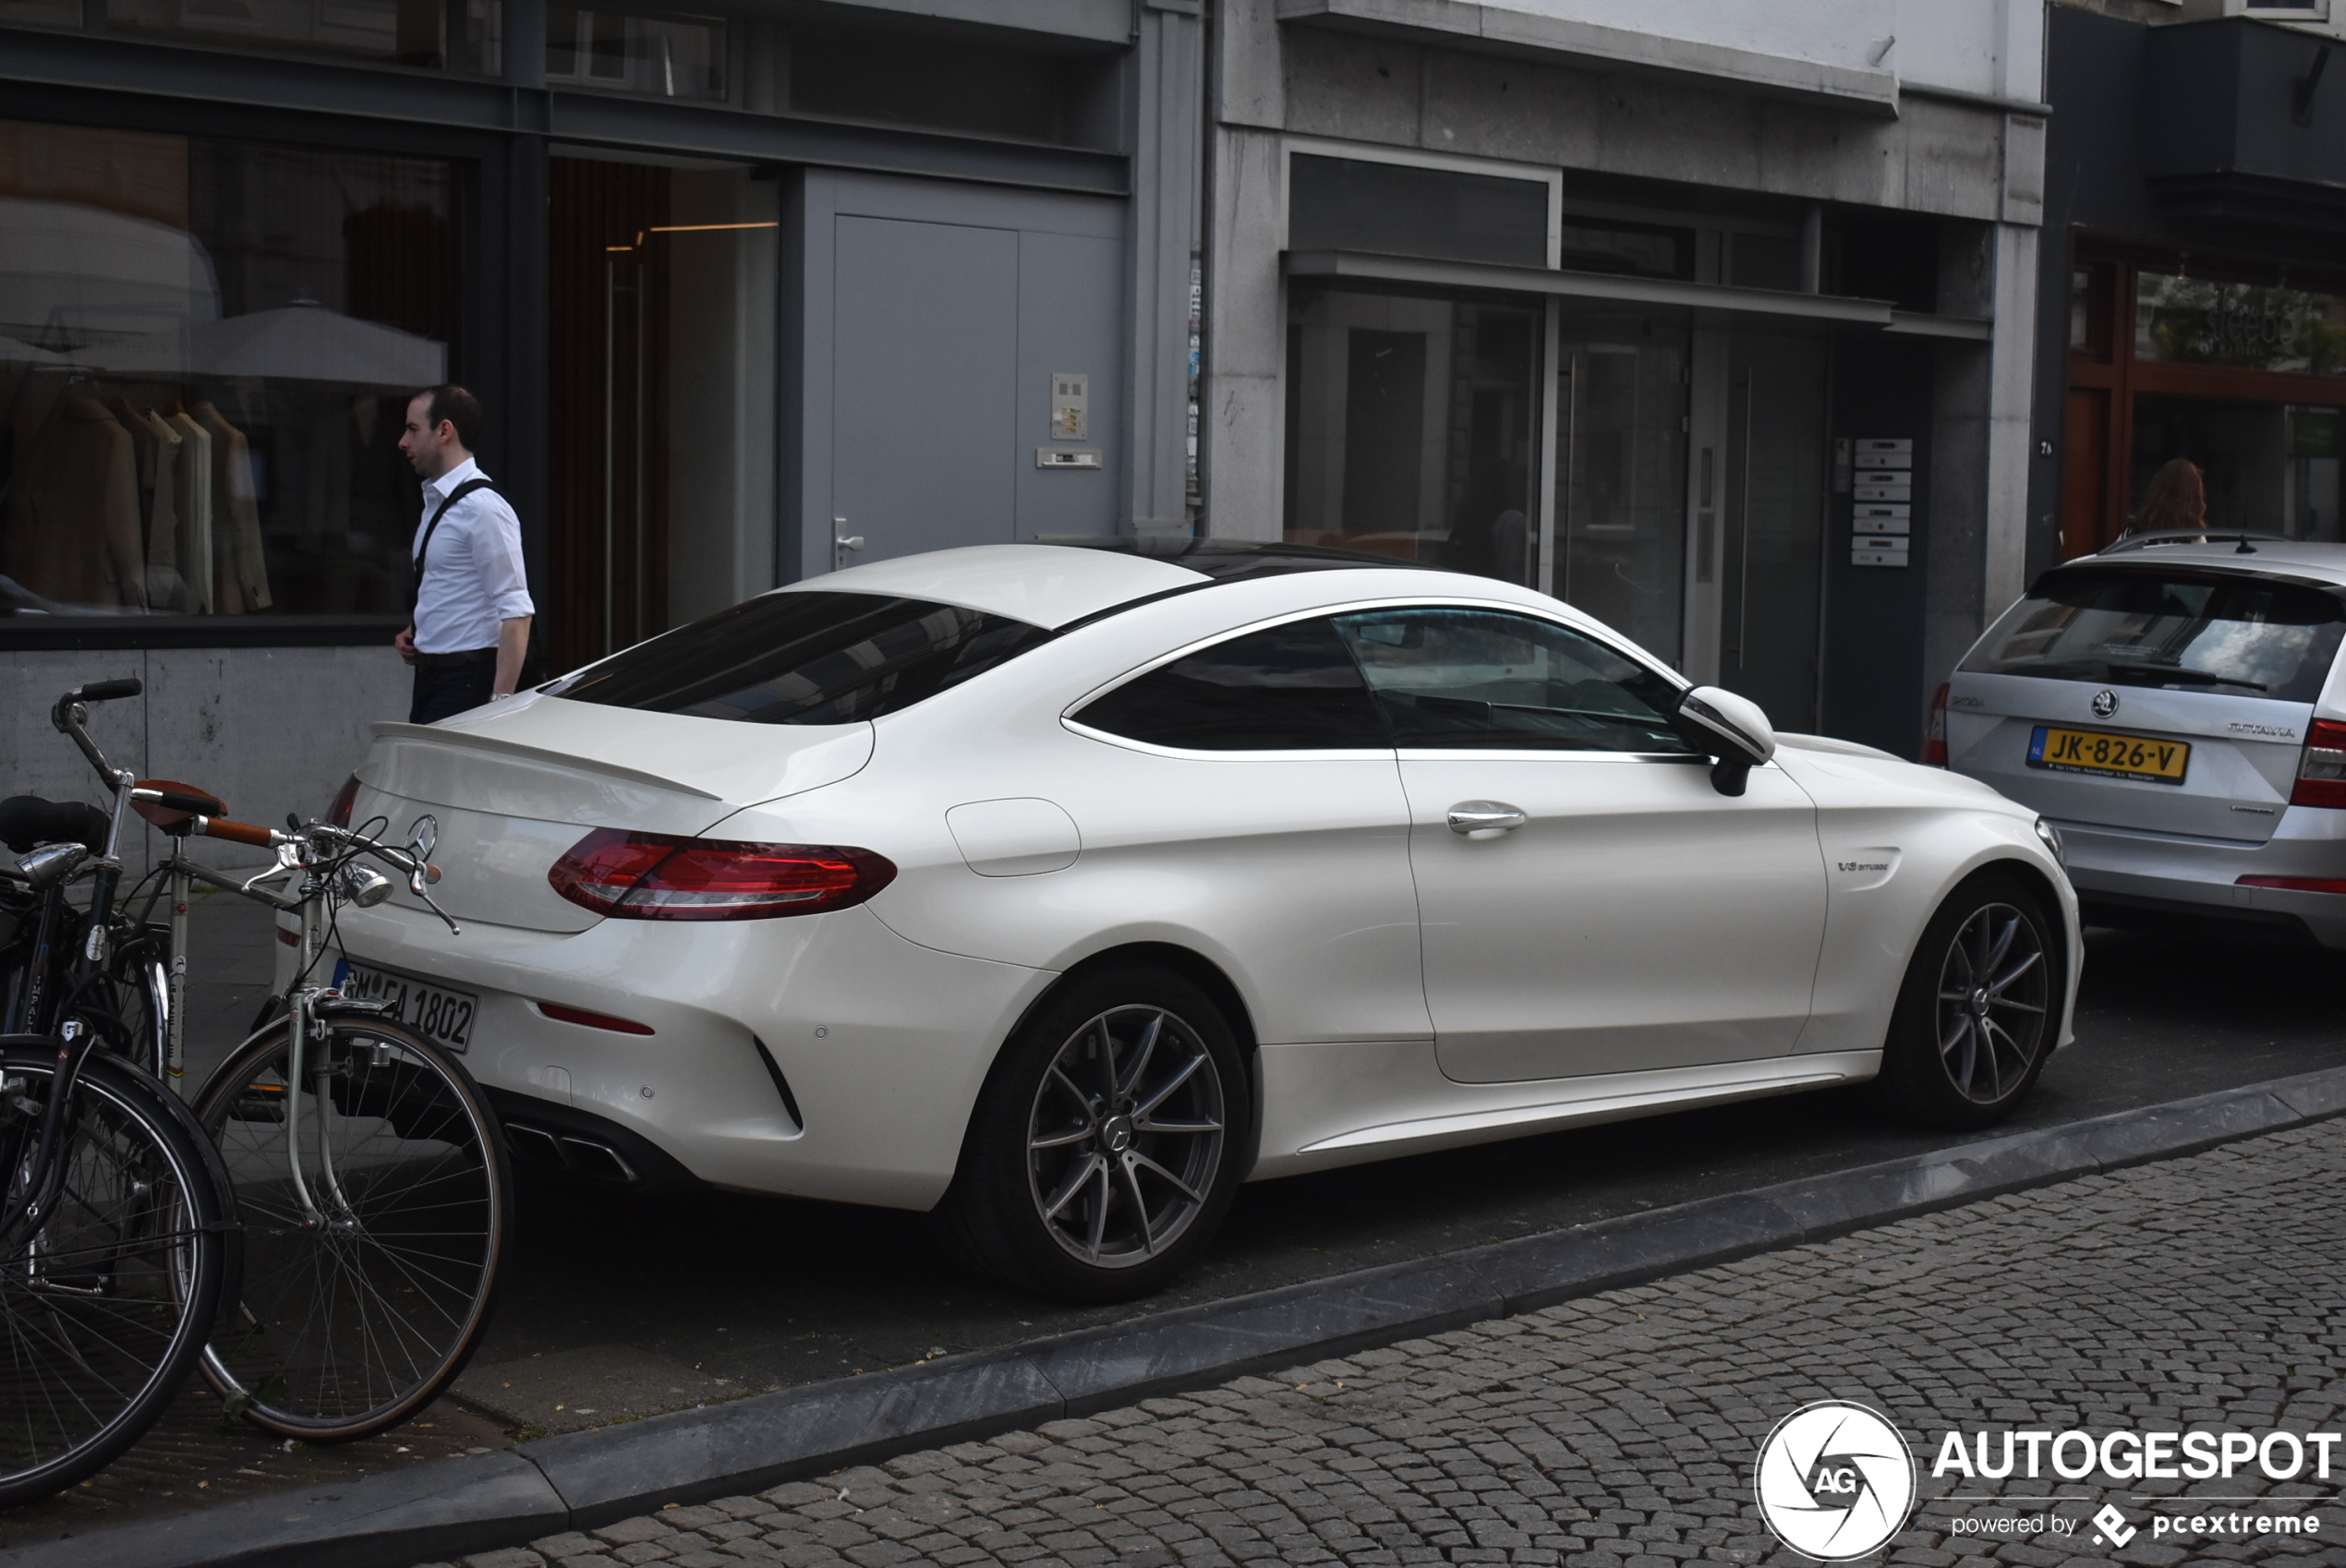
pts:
pixel 236 550
pixel 158 447
pixel 195 510
pixel 73 532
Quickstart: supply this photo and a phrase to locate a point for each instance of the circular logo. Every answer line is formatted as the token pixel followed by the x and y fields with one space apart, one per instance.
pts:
pixel 2105 702
pixel 1835 1481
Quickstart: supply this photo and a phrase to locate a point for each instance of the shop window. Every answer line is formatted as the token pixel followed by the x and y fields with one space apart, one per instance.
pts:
pixel 896 77
pixel 207 347
pixel 1401 209
pixel 1763 260
pixel 2203 322
pixel 462 36
pixel 664 57
pixel 1646 251
pixel 41 13
pixel 2268 468
pixel 1410 430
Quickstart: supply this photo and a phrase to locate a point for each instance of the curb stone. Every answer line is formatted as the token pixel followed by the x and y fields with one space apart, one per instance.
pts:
pixel 581 1481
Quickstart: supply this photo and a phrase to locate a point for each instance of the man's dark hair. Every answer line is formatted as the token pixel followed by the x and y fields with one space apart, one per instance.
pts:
pixel 457 406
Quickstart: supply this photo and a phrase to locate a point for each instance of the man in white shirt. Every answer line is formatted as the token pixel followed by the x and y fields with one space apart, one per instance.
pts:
pixel 470 608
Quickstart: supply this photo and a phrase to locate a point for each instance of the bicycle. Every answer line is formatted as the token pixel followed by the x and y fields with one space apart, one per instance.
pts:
pixel 369 1169
pixel 118 1237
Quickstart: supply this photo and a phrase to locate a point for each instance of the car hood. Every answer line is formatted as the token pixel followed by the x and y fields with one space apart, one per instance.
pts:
pixel 513 786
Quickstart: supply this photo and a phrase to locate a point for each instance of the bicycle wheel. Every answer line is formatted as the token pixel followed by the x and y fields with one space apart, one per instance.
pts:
pixel 106 1307
pixel 360 1307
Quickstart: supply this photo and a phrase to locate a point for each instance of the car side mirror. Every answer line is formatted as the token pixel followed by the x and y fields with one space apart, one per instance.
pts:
pixel 1731 730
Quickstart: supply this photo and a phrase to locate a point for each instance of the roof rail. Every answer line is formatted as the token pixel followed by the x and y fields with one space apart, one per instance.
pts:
pixel 2193 537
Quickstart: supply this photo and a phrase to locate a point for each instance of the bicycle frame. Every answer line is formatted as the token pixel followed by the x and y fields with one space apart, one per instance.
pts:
pixel 316 853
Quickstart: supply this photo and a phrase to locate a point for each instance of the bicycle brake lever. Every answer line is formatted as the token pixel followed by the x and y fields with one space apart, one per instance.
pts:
pixel 288 858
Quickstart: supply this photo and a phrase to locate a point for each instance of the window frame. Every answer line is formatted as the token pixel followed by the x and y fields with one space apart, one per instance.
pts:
pixel 1595 633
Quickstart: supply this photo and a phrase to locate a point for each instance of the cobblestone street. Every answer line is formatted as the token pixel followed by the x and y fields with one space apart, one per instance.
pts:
pixel 1622 1428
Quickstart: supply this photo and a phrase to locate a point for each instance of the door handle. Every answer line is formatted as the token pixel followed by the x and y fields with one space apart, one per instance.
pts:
pixel 842 544
pixel 1485 819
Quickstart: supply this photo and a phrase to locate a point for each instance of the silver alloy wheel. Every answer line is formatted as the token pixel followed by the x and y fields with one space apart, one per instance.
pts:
pixel 1125 1136
pixel 1993 989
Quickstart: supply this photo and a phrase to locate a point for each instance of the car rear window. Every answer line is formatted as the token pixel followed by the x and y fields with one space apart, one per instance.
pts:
pixel 813 657
pixel 2188 631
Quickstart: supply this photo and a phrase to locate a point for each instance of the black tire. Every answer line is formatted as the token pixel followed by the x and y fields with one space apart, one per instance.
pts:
pixel 1107 1142
pixel 1980 1008
pixel 105 1311
pixel 349 1327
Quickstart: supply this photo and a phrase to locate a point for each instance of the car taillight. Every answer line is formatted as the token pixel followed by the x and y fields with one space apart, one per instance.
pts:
pixel 345 799
pixel 1934 733
pixel 661 876
pixel 2321 774
pixel 2297 883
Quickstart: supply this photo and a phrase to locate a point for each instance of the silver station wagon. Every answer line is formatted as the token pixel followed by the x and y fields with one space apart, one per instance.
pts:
pixel 2174 708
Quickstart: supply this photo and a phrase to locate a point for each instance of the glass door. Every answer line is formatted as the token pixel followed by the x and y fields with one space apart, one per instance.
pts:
pixel 1621 474
pixel 663 438
pixel 1771 597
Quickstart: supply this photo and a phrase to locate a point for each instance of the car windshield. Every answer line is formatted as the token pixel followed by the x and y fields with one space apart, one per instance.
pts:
pixel 2188 631
pixel 812 657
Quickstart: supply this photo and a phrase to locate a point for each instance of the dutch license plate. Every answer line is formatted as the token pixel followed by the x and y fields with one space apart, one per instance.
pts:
pixel 2115 756
pixel 440 1014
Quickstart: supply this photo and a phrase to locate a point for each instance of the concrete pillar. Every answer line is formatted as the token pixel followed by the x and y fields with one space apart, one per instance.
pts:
pixel 1167 176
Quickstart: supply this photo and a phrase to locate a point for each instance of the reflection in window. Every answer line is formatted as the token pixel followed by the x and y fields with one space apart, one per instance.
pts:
pixel 2202 321
pixel 1410 430
pixel 463 36
pixel 2270 468
pixel 665 56
pixel 206 352
pixel 812 657
pixel 1477 679
pixel 1289 688
pixel 1621 466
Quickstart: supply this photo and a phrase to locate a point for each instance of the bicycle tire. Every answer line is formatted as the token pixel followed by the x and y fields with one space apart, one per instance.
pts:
pixel 348 1327
pixel 106 1308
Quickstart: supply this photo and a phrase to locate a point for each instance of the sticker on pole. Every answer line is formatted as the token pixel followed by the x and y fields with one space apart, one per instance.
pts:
pixel 1835 1481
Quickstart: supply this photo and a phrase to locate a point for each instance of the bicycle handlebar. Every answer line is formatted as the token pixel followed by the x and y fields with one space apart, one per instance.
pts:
pixel 66 717
pixel 235 832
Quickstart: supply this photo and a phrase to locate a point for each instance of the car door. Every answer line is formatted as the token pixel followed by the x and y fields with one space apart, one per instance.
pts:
pixel 1589 902
pixel 1246 790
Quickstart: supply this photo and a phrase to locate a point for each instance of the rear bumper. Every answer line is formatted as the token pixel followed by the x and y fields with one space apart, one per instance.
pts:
pixel 2128 878
pixel 882 1044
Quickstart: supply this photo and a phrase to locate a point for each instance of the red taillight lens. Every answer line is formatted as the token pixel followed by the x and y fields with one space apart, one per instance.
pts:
pixel 2297 883
pixel 593 1020
pixel 2321 774
pixel 1934 734
pixel 659 877
pixel 345 799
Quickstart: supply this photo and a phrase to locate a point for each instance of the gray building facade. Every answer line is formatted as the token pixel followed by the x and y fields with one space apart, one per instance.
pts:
pixel 1724 337
pixel 750 291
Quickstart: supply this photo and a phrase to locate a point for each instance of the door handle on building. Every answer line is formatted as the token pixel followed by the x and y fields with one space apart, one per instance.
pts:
pixel 842 544
pixel 1486 819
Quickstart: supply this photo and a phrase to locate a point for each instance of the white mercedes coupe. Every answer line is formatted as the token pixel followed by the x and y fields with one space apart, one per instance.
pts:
pixel 1060 889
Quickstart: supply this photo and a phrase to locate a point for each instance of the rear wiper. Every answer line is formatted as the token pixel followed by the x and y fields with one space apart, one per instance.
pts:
pixel 2190 676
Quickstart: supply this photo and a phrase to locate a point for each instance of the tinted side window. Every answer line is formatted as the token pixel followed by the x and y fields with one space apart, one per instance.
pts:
pixel 814 657
pixel 1477 678
pixel 1289 688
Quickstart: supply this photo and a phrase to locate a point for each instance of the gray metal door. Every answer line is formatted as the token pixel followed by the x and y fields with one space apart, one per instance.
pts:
pixel 924 405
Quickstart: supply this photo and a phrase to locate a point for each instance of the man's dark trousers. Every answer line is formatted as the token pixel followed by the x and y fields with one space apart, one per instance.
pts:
pixel 449 683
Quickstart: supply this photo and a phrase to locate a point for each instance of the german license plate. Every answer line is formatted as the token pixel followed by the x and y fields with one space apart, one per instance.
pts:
pixel 439 1014
pixel 2114 756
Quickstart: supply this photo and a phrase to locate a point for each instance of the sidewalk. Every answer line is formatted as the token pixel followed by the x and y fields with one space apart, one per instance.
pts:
pixel 1622 1428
